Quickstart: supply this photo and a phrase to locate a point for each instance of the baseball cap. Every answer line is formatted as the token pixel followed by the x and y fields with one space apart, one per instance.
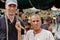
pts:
pixel 8 2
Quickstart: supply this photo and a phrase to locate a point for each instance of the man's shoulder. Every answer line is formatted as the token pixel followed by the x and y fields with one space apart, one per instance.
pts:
pixel 48 34
pixel 30 31
pixel 2 18
pixel 2 21
pixel 46 31
pixel 44 24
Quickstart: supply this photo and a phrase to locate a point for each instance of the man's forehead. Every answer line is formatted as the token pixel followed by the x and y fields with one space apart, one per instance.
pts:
pixel 11 5
pixel 35 18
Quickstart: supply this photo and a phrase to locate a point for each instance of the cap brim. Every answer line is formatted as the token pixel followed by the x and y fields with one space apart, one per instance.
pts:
pixel 12 3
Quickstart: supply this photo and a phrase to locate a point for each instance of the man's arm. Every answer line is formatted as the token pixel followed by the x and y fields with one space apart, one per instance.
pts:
pixel 18 30
pixel 19 35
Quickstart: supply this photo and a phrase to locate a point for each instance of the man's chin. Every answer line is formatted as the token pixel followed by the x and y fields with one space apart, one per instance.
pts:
pixel 37 28
pixel 11 14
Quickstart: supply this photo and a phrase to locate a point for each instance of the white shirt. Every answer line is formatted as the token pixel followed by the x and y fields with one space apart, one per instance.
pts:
pixel 43 35
pixel 57 33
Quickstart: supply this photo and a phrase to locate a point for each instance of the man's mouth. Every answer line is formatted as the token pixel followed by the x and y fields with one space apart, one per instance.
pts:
pixel 11 14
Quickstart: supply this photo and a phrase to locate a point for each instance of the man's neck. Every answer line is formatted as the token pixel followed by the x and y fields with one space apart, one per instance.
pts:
pixel 11 18
pixel 37 31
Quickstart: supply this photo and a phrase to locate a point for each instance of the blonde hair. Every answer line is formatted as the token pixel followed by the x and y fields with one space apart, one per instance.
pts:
pixel 35 16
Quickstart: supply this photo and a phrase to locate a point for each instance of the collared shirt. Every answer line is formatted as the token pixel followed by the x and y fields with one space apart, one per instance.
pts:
pixel 43 35
pixel 12 32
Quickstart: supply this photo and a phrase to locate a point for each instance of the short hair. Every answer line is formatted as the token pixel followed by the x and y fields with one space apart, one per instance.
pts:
pixel 21 10
pixel 34 15
pixel 48 19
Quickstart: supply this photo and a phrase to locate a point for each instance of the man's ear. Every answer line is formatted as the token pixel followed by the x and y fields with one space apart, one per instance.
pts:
pixel 16 7
pixel 5 6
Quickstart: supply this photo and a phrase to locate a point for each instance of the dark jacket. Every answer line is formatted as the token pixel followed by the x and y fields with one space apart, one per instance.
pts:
pixel 3 28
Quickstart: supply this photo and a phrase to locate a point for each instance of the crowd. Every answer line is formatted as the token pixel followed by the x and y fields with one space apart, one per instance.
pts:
pixel 12 27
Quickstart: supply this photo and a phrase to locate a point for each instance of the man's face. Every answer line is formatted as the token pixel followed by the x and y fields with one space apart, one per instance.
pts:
pixel 11 9
pixel 20 13
pixel 36 22
pixel 49 22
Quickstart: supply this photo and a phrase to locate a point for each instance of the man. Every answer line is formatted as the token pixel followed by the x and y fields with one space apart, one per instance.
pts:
pixel 47 23
pixel 10 28
pixel 57 26
pixel 20 13
pixel 38 33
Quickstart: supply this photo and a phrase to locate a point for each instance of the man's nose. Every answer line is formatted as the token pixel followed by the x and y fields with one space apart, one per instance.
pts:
pixel 12 8
pixel 35 22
